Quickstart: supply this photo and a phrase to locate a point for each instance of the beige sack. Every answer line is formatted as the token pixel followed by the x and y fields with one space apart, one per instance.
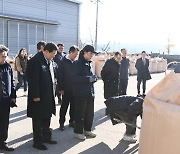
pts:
pixel 160 131
pixel 168 89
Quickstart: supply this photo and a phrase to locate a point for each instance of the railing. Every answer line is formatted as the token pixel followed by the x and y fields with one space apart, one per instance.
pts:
pixel 173 62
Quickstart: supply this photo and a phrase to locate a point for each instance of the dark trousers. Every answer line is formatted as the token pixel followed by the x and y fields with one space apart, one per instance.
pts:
pixel 123 86
pixel 134 110
pixel 143 85
pixel 4 122
pixel 67 99
pixel 41 130
pixel 21 80
pixel 131 130
pixel 84 114
pixel 58 94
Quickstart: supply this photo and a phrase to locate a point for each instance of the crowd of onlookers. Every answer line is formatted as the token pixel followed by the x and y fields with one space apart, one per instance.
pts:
pixel 70 77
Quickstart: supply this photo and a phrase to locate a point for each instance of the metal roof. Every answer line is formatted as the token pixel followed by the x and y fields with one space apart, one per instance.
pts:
pixel 29 19
pixel 75 1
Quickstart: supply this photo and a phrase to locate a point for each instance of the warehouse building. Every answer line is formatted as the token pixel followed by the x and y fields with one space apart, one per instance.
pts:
pixel 23 23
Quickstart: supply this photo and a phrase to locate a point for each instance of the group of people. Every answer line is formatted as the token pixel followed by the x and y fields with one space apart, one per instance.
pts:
pixel 49 73
pixel 115 77
pixel 115 74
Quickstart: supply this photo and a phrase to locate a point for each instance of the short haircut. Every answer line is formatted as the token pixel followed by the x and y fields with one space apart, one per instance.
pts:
pixel 3 48
pixel 117 54
pixel 143 51
pixel 73 48
pixel 123 49
pixel 43 43
pixel 60 44
pixel 50 47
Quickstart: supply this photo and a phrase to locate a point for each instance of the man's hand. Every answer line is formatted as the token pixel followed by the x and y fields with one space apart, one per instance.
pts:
pixel 36 99
pixel 93 78
pixel 61 92
pixel 13 103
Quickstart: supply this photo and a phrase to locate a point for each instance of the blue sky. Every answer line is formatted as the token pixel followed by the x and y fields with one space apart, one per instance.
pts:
pixel 133 24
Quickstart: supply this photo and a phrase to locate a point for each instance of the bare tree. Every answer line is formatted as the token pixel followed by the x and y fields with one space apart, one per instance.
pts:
pixel 169 46
pixel 106 47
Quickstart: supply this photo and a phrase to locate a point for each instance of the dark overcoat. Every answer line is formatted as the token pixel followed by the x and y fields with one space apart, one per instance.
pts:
pixel 40 86
pixel 7 87
pixel 110 75
pixel 142 70
pixel 82 87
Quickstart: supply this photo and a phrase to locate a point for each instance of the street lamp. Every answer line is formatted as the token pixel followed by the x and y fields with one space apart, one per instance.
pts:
pixel 96 31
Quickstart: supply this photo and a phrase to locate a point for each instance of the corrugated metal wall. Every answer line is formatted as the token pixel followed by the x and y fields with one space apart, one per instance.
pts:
pixel 17 34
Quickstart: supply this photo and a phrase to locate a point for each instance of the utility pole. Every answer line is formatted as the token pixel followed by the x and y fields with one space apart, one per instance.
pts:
pixel 96 31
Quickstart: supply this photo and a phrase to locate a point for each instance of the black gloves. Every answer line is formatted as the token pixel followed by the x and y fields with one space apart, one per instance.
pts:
pixel 13 104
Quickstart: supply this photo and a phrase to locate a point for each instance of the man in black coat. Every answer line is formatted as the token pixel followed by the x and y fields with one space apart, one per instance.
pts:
pixel 126 109
pixel 110 75
pixel 41 95
pixel 142 66
pixel 83 92
pixel 7 97
pixel 124 73
pixel 65 81
pixel 57 60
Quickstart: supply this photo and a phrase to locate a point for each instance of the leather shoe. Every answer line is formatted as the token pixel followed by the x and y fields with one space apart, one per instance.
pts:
pixel 61 127
pixel 6 148
pixel 50 142
pixel 40 146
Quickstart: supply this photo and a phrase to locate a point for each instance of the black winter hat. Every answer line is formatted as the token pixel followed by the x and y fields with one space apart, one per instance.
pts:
pixel 89 48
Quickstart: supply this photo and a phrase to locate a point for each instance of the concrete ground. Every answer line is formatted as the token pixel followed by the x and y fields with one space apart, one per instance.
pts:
pixel 108 140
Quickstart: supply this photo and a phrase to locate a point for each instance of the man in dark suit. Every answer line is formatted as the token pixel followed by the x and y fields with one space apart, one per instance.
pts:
pixel 57 60
pixel 142 66
pixel 41 95
pixel 65 81
pixel 124 74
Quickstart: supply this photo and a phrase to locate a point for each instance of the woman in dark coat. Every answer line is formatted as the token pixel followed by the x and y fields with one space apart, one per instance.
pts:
pixel 110 74
pixel 83 92
pixel 41 94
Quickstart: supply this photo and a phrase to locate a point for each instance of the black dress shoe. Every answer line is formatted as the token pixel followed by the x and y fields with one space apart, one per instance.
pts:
pixel 40 146
pixel 50 142
pixel 6 148
pixel 61 127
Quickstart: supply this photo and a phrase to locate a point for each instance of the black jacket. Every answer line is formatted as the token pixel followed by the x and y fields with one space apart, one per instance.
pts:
pixel 142 70
pixel 57 59
pixel 124 107
pixel 65 75
pixel 110 74
pixel 124 68
pixel 40 86
pixel 121 103
pixel 7 87
pixel 81 85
